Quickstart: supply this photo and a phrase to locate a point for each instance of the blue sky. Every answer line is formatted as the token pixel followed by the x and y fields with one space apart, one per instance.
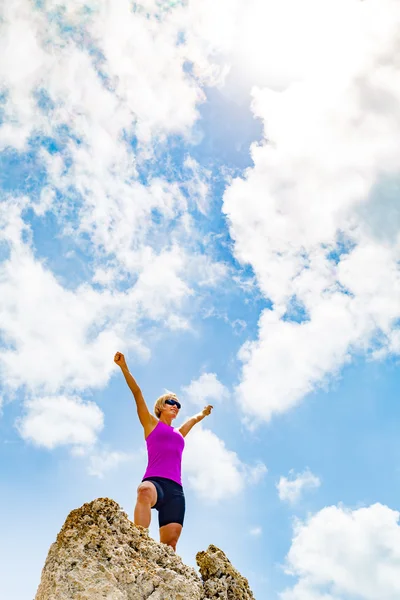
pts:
pixel 220 204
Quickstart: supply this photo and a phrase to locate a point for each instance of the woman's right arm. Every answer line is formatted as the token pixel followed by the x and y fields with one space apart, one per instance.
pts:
pixel 145 417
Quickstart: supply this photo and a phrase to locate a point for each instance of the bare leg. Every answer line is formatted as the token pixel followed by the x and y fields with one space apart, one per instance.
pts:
pixel 169 534
pixel 146 498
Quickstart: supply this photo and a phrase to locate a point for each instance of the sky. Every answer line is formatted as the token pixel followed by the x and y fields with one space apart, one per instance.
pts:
pixel 211 188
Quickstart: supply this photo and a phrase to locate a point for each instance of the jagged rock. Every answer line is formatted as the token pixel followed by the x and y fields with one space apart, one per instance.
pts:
pixel 100 554
pixel 221 579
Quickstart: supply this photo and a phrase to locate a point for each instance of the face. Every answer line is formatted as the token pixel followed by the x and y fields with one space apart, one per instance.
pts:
pixel 171 409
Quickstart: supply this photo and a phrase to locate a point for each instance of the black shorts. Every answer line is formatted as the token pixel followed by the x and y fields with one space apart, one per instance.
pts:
pixel 170 500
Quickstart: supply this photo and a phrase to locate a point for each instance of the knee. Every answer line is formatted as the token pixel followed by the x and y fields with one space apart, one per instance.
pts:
pixel 145 494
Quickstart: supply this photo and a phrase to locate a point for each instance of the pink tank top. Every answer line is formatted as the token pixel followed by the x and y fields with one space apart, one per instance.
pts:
pixel 164 449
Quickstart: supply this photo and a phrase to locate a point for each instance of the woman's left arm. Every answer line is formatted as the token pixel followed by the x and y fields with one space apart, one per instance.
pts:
pixel 186 427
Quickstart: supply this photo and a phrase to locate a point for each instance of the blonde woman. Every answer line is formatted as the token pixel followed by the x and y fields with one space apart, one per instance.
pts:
pixel 161 486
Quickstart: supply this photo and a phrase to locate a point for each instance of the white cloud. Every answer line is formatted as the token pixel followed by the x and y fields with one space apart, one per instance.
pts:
pixel 34 356
pixel 198 187
pixel 213 471
pixel 22 62
pixel 103 461
pixel 98 116
pixel 154 86
pixel 53 337
pixel 302 217
pixel 290 489
pixel 60 339
pixel 341 554
pixel 207 388
pixel 331 125
pixel 106 76
pixel 256 473
pixel 37 52
pixel 60 420
pixel 92 187
pixel 256 531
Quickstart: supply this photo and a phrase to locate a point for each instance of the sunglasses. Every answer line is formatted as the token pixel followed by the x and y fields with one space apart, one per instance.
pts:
pixel 172 402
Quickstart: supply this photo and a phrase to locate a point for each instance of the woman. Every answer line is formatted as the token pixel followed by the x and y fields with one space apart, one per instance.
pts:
pixel 161 487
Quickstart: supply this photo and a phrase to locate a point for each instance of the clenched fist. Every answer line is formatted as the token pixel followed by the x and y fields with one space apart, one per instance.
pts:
pixel 119 360
pixel 207 410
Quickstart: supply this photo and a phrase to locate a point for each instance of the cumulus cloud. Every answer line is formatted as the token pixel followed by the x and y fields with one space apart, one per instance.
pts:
pixel 37 51
pixel 213 471
pixel 207 388
pixel 89 90
pixel 341 554
pixel 256 531
pixel 70 80
pixel 97 90
pixel 54 338
pixel 290 489
pixel 60 420
pixel 304 217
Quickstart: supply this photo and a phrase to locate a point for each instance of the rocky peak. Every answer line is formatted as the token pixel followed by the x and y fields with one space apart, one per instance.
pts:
pixel 100 554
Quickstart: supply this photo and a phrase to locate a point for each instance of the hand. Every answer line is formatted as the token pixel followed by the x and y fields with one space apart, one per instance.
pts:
pixel 207 410
pixel 119 360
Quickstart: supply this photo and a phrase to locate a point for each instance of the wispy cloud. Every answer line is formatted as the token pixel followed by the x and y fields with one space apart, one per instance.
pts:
pixel 102 461
pixel 256 473
pixel 290 489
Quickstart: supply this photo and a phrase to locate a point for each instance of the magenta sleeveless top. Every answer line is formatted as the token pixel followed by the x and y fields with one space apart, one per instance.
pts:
pixel 164 449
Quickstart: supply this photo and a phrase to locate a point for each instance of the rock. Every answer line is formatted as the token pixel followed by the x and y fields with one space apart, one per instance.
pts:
pixel 221 579
pixel 100 554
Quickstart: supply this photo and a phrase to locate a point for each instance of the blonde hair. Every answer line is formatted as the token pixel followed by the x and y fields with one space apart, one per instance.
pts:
pixel 159 405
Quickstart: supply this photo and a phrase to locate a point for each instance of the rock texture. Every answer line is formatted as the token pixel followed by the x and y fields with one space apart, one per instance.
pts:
pixel 221 579
pixel 100 554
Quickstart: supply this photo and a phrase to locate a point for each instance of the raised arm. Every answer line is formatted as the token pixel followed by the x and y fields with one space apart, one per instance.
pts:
pixel 187 426
pixel 145 417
